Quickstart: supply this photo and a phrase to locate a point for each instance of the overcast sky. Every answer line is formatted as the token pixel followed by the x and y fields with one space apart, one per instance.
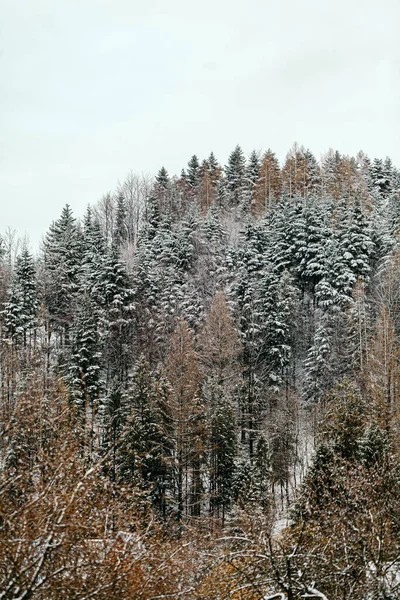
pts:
pixel 90 89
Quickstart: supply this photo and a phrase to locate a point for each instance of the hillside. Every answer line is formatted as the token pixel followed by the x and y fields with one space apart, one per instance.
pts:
pixel 200 387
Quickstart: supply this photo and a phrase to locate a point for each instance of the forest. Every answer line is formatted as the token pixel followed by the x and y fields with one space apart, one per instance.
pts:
pixel 199 387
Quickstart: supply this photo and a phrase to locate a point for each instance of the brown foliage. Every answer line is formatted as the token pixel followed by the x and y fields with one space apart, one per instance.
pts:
pixel 65 529
pixel 269 185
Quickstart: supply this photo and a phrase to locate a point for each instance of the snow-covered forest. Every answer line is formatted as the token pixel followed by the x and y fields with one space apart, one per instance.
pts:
pixel 200 387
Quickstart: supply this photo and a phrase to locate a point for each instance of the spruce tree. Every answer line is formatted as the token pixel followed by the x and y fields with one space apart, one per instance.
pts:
pixel 162 178
pixel 235 174
pixel 94 249
pixel 252 175
pixel 61 265
pixel 222 454
pixel 214 168
pixel 356 248
pixel 249 266
pixel 114 296
pixel 318 369
pixel 22 301
pixel 194 172
pixel 85 368
pixel 120 234
pixel 380 175
pixel 140 454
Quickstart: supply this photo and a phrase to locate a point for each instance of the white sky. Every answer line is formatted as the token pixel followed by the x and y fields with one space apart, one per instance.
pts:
pixel 90 89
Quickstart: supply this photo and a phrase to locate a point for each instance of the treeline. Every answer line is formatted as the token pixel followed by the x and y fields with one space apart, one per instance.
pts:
pixel 192 338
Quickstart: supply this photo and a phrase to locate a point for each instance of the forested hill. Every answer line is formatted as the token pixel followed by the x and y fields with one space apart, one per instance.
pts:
pixel 209 347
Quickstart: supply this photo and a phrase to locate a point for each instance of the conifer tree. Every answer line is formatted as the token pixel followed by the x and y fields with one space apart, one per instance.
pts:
pixel 296 176
pixel 163 190
pixel 356 248
pixel 269 184
pixel 209 176
pixel 296 236
pixel 222 454
pixel 356 330
pixel 235 174
pixel 163 411
pixel 194 172
pixel 214 168
pixel 61 266
pixel 94 249
pixel 120 234
pixel 162 178
pixel 314 174
pixel 382 375
pixel 252 176
pixel 380 174
pixel 331 180
pixel 141 446
pixel 22 302
pixel 114 297
pixel 219 350
pixel 279 251
pixel 318 369
pixel 187 411
pixel 311 266
pixel 220 346
pixel 250 267
pixel 344 420
pixel 85 369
